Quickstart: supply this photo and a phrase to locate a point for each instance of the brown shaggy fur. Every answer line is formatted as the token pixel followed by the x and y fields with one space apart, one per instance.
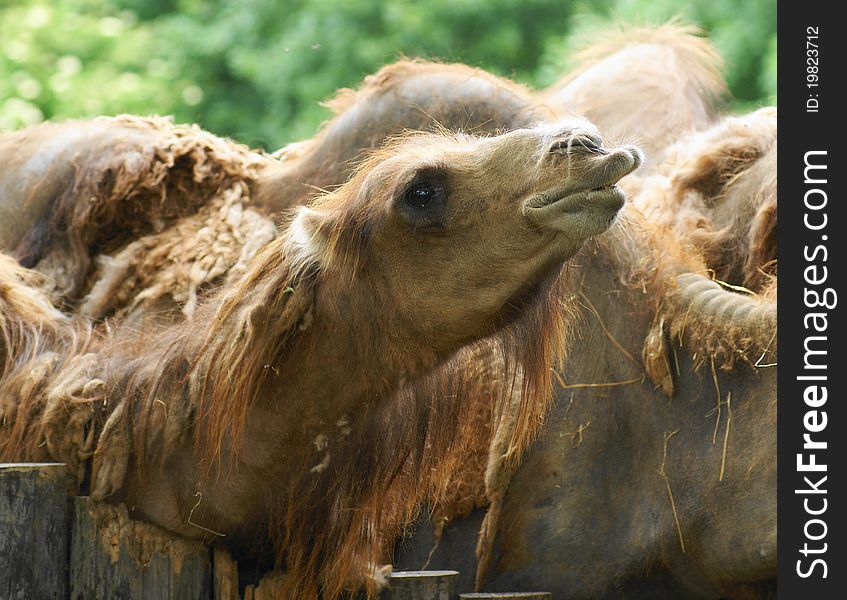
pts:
pixel 657 83
pixel 203 427
pixel 46 376
pixel 100 184
pixel 716 191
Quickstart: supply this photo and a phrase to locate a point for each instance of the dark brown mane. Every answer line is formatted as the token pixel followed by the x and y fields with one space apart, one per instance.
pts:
pixel 43 418
pixel 223 357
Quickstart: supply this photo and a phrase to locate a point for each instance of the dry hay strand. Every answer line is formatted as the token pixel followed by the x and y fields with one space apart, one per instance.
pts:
pixel 605 384
pixel 726 434
pixel 667 481
pixel 718 406
pixel 578 435
pixel 608 333
pixel 655 358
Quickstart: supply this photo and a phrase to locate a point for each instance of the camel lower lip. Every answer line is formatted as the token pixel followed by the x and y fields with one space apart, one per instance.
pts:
pixel 580 200
pixel 581 214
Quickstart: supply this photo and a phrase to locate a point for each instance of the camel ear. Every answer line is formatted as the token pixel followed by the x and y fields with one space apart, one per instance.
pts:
pixel 310 235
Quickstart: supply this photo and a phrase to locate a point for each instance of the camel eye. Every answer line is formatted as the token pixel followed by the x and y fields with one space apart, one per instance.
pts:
pixel 422 203
pixel 421 195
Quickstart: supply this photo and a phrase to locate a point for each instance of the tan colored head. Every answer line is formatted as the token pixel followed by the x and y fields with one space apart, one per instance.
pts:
pixel 455 232
pixel 409 95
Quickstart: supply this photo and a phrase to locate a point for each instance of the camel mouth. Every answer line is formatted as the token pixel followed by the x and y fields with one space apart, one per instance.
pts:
pixel 589 209
pixel 571 199
pixel 583 212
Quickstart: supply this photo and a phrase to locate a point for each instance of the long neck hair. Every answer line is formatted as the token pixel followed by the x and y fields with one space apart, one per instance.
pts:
pixel 45 375
pixel 196 382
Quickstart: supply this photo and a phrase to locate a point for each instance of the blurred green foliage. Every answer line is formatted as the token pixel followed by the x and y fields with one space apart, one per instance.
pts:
pixel 256 70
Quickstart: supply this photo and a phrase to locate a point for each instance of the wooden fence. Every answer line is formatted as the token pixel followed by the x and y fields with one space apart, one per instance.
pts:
pixel 55 548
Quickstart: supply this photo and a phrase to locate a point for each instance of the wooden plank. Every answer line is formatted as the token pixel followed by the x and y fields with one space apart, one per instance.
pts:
pixel 268 588
pixel 114 557
pixel 33 531
pixel 225 575
pixel 507 596
pixel 421 585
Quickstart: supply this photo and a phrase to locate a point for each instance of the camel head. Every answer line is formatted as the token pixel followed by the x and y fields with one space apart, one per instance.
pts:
pixel 457 232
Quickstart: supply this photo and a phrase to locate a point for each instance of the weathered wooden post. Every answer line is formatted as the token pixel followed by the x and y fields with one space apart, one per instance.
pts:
pixel 507 596
pixel 421 585
pixel 114 557
pixel 225 575
pixel 33 531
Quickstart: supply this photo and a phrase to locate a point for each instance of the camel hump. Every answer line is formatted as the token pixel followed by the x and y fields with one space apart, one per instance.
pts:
pixel 657 81
pixel 82 187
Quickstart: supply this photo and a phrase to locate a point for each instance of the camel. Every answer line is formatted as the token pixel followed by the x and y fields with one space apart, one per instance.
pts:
pixel 629 492
pixel 344 129
pixel 551 521
pixel 230 426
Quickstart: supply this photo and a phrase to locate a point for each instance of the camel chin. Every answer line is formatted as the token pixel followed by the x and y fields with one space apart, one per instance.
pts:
pixel 588 212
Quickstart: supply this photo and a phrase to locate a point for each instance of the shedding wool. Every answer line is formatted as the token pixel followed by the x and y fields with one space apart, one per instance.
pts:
pixel 121 187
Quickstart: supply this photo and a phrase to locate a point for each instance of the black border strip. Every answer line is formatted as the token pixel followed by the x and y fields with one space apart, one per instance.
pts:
pixel 804 252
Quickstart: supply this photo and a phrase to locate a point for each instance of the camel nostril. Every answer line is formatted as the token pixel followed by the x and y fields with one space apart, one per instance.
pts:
pixel 581 143
pixel 559 146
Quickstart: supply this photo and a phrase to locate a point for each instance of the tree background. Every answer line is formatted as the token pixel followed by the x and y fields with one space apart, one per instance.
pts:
pixel 256 70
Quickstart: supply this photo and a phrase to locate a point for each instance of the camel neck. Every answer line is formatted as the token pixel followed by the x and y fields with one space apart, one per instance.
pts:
pixel 349 356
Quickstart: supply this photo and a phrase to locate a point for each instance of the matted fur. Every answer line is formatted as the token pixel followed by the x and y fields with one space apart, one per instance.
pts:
pixel 716 191
pixel 47 376
pixel 114 180
pixel 178 263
